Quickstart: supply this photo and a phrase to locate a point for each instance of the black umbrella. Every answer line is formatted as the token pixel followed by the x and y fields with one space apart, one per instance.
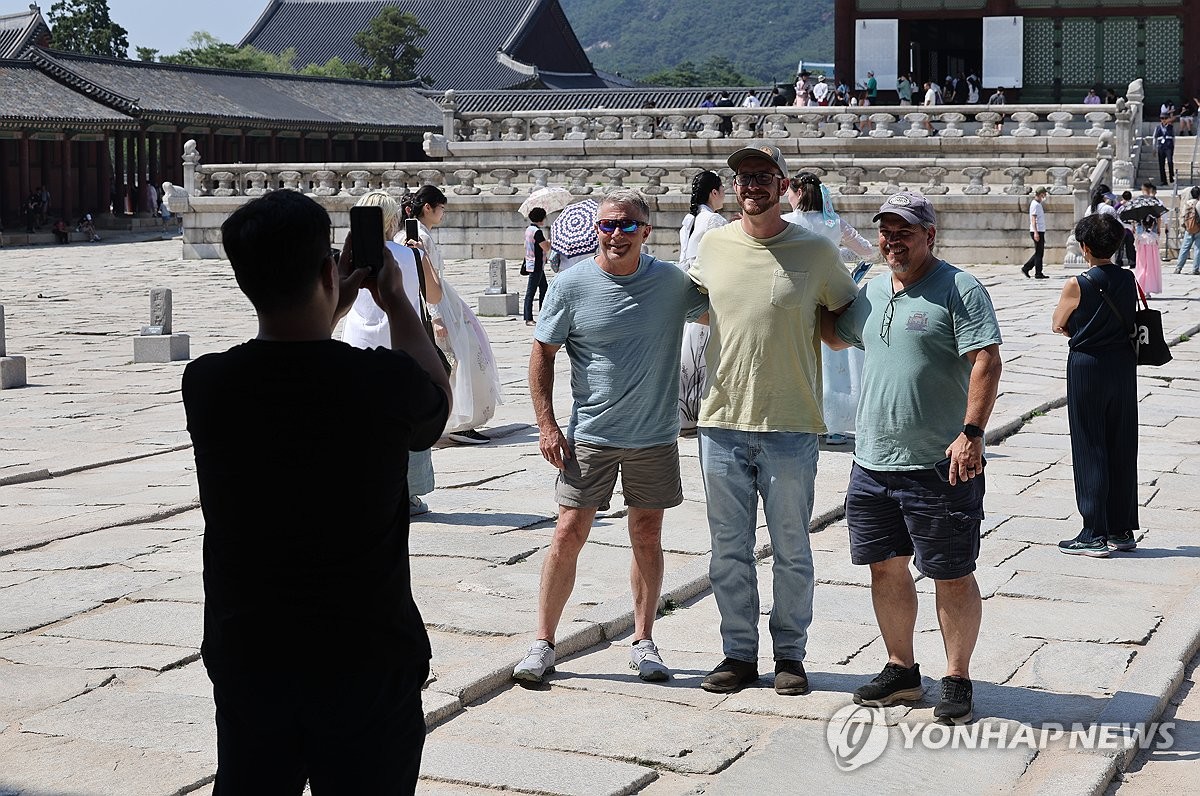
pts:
pixel 1141 210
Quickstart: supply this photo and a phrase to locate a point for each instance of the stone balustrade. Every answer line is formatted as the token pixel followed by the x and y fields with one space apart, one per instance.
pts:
pixel 844 175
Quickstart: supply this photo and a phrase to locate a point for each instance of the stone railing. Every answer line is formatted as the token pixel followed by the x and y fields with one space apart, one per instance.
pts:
pixel 933 176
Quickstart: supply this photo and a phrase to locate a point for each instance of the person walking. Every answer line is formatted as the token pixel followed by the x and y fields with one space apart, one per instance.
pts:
pixel 1189 224
pixel 1095 310
pixel 536 249
pixel 708 196
pixel 1037 232
pixel 872 93
pixel 930 381
pixel 1164 147
pixel 1147 268
pixel 300 442
pixel 904 90
pixel 760 417
pixel 620 317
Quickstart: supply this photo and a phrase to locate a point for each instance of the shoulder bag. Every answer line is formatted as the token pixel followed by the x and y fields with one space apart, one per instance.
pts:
pixel 1147 335
pixel 425 320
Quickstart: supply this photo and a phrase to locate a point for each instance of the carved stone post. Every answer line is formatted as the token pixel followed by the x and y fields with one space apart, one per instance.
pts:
pixel 539 177
pixel 12 368
pixel 976 174
pixel 395 182
pixel 989 123
pixel 892 174
pixel 934 187
pixel 1061 119
pixel 654 176
pixel 810 125
pixel 743 125
pixel 1025 120
pixel 449 107
pixel 846 125
pixel 191 159
pixel 466 182
pixel 431 176
pixel 616 178
pixel 1017 174
pixel 881 125
pixel 853 176
pixel 503 178
pixel 579 177
pixel 776 126
pixel 157 343
pixel 496 301
pixel 577 128
pixel 359 182
pixel 952 120
pixel 711 126
pixel 1057 175
pixel 1099 120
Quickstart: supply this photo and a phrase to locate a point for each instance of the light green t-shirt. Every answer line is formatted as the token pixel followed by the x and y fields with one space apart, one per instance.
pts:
pixel 914 384
pixel 763 356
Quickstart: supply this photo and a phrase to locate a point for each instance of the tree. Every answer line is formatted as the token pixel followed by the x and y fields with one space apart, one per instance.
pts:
pixel 207 50
pixel 716 71
pixel 336 67
pixel 85 26
pixel 147 53
pixel 388 45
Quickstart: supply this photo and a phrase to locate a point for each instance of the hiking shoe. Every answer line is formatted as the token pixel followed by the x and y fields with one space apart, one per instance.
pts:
pixel 538 663
pixel 894 684
pixel 790 679
pixel 1097 548
pixel 730 676
pixel 955 705
pixel 469 437
pixel 417 506
pixel 1122 543
pixel 645 660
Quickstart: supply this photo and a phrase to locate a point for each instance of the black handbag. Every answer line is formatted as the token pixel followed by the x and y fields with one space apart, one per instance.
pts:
pixel 1152 348
pixel 1146 336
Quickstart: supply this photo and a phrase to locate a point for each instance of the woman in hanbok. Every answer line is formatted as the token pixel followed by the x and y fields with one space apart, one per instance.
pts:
pixel 366 326
pixel 1148 265
pixel 708 195
pixel 474 379
pixel 841 371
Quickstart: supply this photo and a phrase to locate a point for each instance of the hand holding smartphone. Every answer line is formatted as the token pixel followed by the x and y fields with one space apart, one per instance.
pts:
pixel 411 230
pixel 366 230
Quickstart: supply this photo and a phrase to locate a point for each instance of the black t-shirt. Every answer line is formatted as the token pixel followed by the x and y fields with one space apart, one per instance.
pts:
pixel 302 461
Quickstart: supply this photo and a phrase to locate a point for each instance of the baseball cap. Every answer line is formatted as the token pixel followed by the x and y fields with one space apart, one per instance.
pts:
pixel 767 151
pixel 912 207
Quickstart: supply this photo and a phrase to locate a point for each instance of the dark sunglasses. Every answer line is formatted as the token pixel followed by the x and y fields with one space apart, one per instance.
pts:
pixel 627 225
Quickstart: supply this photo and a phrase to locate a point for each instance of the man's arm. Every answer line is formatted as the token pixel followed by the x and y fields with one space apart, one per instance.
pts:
pixel 966 453
pixel 552 443
pixel 829 335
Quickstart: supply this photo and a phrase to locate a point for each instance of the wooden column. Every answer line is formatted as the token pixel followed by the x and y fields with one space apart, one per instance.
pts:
pixel 119 181
pixel 70 187
pixel 23 168
pixel 329 149
pixel 274 146
pixel 354 149
pixel 143 169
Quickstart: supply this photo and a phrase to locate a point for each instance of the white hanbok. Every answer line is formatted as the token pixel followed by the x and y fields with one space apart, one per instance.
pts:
pixel 474 378
pixel 841 371
pixel 692 372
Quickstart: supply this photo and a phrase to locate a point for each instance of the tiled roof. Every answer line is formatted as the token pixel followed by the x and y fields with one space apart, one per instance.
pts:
pixel 462 45
pixel 170 92
pixel 29 96
pixel 581 99
pixel 20 31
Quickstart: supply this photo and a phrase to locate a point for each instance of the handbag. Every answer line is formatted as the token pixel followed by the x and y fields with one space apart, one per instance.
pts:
pixel 1152 348
pixel 425 319
pixel 1146 336
pixel 525 269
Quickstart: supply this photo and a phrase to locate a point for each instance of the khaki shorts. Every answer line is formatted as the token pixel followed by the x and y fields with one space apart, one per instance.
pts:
pixel 649 476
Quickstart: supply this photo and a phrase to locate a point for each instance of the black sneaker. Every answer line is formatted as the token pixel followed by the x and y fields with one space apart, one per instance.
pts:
pixel 893 684
pixel 790 678
pixel 955 705
pixel 469 437
pixel 1097 548
pixel 730 676
pixel 1122 543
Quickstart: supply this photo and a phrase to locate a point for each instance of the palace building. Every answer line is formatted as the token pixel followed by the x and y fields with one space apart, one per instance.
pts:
pixel 1041 50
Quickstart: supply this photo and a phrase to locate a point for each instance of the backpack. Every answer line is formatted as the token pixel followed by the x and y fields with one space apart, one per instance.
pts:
pixel 1191 221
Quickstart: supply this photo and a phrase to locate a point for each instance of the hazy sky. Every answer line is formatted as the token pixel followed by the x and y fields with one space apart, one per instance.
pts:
pixel 166 25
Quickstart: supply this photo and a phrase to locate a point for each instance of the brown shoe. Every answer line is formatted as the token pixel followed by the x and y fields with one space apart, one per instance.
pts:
pixel 730 676
pixel 790 679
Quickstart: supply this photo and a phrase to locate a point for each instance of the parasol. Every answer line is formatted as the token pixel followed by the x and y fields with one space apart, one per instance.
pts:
pixel 1141 210
pixel 574 231
pixel 549 199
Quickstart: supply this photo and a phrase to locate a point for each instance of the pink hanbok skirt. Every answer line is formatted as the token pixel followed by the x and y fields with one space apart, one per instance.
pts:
pixel 1148 268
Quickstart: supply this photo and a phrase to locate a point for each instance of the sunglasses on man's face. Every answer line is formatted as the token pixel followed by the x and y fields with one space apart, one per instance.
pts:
pixel 627 225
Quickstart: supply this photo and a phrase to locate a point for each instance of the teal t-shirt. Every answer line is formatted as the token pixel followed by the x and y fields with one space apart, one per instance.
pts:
pixel 622 335
pixel 915 371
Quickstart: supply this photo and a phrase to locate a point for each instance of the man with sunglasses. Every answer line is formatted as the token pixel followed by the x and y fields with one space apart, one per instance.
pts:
pixel 761 414
pixel 620 316
pixel 931 372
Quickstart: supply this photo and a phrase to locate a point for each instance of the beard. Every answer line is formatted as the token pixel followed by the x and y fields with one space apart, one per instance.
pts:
pixel 756 206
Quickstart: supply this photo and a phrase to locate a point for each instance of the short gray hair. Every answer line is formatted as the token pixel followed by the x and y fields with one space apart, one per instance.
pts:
pixel 628 197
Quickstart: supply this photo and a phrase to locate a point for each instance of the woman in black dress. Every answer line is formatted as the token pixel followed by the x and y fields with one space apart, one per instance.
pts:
pixel 1095 311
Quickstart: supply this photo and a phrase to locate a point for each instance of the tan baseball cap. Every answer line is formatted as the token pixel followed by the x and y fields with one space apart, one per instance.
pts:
pixel 766 151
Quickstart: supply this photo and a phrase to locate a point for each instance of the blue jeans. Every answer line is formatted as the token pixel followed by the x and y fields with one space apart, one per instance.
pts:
pixel 738 466
pixel 1184 248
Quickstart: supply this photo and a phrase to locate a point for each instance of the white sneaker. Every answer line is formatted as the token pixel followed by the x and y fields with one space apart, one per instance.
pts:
pixel 538 663
pixel 645 660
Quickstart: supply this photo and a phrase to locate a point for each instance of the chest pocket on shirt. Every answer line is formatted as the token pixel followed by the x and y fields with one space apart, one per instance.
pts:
pixel 788 289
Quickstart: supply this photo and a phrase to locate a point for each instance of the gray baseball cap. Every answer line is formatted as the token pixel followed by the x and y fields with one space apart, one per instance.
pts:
pixel 765 151
pixel 912 207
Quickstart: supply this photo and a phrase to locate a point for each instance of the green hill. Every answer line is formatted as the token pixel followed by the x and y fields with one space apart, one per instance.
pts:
pixel 639 37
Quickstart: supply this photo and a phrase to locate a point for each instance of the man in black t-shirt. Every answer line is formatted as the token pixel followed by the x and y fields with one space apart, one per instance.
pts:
pixel 314 645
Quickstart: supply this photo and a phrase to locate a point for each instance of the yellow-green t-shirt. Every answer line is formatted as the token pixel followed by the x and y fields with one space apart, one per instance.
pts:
pixel 763 356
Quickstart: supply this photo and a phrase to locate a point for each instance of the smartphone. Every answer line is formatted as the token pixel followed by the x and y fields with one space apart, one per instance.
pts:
pixel 411 231
pixel 366 230
pixel 942 469
pixel 860 271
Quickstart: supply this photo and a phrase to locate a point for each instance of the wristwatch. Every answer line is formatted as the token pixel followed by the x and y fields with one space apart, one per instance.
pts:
pixel 972 431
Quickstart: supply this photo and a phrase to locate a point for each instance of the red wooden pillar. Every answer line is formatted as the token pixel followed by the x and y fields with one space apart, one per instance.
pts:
pixel 354 149
pixel 70 187
pixel 328 149
pixel 143 172
pixel 119 170
pixel 274 146
pixel 23 168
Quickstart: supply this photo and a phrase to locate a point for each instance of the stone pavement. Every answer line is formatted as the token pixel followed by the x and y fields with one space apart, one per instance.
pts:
pixel 101 689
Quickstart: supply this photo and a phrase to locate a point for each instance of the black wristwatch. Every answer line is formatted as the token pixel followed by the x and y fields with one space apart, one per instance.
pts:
pixel 972 431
